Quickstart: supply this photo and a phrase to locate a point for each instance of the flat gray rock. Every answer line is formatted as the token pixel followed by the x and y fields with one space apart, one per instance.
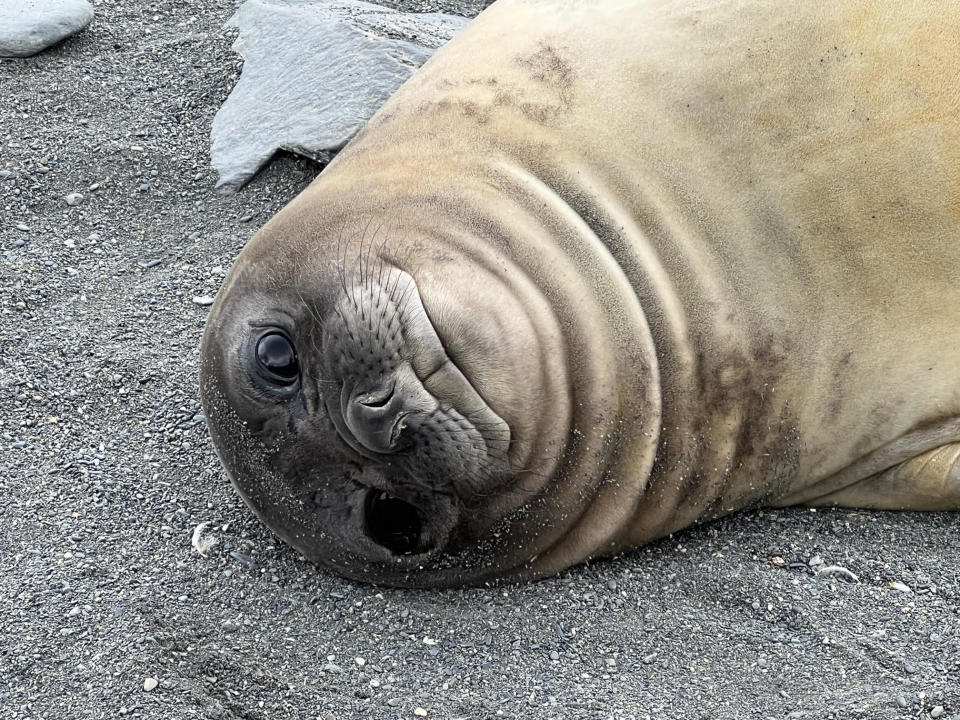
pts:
pixel 29 26
pixel 314 72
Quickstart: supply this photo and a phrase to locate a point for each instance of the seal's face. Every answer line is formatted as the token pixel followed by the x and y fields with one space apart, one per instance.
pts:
pixel 375 436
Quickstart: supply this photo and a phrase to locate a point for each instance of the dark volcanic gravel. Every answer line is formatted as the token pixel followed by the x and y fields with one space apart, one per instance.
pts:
pixel 106 610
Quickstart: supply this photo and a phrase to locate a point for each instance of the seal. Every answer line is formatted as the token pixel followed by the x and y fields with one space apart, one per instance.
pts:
pixel 600 271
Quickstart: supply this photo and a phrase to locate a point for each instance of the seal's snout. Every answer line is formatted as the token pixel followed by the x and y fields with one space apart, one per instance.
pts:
pixel 374 418
pixel 378 415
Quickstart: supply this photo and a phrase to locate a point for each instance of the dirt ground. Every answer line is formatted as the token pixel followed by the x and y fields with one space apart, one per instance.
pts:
pixel 106 469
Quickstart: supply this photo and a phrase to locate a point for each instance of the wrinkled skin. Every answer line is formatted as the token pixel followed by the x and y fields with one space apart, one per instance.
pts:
pixel 600 271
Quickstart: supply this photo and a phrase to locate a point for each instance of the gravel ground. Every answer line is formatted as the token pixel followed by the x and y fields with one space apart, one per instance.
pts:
pixel 105 608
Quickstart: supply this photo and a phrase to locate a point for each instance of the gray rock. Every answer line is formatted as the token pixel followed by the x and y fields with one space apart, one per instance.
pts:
pixel 314 72
pixel 29 26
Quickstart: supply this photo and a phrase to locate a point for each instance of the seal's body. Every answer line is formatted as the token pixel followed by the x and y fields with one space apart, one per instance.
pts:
pixel 601 270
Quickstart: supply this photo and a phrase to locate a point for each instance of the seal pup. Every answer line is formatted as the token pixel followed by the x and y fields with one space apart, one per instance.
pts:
pixel 600 271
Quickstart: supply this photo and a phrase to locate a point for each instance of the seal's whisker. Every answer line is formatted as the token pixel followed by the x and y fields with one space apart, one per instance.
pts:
pixel 369 281
pixel 310 309
pixel 342 258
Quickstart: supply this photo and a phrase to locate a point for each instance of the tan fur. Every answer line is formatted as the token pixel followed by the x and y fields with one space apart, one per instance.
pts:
pixel 738 225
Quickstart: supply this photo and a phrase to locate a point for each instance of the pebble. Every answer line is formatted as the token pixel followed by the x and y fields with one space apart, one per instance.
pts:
pixel 194 236
pixel 147 264
pixel 23 227
pixel 899 586
pixel 937 711
pixel 837 571
pixel 901 701
pixel 554 655
pixel 420 712
pixel 240 557
pixel 74 199
pixel 229 626
pixel 4 174
pixel 144 187
pixel 332 668
pixel 150 684
pixel 19 242
pixel 203 300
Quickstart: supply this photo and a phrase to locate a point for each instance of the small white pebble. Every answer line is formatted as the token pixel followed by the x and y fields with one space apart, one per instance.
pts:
pixel 420 712
pixel 203 543
pixel 150 684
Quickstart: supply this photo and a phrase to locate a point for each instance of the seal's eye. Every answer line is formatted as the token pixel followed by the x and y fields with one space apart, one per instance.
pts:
pixel 277 359
pixel 392 523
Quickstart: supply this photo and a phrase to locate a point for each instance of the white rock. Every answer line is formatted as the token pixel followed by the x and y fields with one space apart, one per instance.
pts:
pixel 150 684
pixel 29 26
pixel 314 72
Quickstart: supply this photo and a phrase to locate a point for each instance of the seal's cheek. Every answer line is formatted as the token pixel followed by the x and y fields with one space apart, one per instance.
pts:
pixel 504 338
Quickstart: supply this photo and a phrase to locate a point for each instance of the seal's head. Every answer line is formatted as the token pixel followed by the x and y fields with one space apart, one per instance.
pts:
pixel 382 409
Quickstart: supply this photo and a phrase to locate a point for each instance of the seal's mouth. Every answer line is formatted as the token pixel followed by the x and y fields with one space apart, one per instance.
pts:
pixel 393 523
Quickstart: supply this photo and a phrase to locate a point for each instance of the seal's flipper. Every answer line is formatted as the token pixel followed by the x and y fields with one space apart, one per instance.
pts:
pixel 929 481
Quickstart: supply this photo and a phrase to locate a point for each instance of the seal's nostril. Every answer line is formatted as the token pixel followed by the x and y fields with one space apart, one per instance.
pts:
pixel 393 523
pixel 378 398
pixel 375 417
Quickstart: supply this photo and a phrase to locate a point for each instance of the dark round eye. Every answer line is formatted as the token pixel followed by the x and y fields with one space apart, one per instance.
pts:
pixel 277 359
pixel 392 522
